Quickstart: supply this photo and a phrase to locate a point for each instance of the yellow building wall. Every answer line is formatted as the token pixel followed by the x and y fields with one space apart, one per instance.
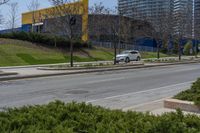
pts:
pixel 39 15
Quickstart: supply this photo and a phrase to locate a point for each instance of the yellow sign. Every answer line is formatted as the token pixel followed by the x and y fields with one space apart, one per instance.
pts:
pixel 39 15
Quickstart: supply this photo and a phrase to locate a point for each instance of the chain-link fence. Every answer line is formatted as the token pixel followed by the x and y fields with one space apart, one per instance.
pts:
pixel 125 46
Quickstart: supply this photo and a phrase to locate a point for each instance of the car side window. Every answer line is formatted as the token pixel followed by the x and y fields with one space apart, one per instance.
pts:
pixel 133 52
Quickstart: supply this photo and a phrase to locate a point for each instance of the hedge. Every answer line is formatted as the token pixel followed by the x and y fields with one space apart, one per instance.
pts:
pixel 44 39
pixel 58 117
pixel 193 94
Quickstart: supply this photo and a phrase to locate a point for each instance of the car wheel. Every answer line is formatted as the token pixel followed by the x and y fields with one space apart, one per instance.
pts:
pixel 138 58
pixel 127 60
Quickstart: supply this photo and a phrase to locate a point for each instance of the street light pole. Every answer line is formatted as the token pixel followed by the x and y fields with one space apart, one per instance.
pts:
pixel 119 33
pixel 72 23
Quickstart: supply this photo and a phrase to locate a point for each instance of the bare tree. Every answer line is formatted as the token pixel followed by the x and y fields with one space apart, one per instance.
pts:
pixel 103 24
pixel 99 8
pixel 183 27
pixel 161 27
pixel 97 24
pixel 33 6
pixel 13 16
pixel 163 30
pixel 64 16
pixel 3 2
pixel 108 25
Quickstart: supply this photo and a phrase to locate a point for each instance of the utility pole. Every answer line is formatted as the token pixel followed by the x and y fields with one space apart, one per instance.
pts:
pixel 72 23
pixel 119 33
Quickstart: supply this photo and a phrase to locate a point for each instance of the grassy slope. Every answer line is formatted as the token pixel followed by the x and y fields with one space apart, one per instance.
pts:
pixel 15 53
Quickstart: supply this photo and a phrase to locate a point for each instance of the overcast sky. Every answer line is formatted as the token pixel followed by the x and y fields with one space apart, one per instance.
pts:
pixel 22 4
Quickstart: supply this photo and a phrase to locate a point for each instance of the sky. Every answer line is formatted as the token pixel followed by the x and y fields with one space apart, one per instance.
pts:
pixel 22 7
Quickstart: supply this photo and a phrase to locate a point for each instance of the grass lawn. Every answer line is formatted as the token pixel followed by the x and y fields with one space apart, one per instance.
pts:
pixel 146 55
pixel 16 53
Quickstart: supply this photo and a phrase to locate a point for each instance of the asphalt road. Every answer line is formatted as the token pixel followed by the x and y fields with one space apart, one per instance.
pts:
pixel 116 89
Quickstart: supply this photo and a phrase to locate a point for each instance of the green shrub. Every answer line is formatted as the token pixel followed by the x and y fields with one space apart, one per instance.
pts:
pixel 164 50
pixel 57 117
pixel 187 48
pixel 192 94
pixel 44 39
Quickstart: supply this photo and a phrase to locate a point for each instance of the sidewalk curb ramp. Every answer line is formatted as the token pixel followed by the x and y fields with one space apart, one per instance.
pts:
pixel 93 71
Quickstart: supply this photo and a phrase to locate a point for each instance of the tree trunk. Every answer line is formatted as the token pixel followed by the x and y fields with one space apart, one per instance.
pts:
pixel 55 42
pixel 71 53
pixel 179 51
pixel 196 52
pixel 115 53
pixel 158 51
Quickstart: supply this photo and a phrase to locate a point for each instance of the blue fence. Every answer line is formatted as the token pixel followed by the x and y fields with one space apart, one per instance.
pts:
pixel 125 46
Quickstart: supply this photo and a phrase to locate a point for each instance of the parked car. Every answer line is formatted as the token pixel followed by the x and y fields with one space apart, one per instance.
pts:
pixel 128 55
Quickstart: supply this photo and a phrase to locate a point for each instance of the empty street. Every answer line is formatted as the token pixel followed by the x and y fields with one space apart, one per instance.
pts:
pixel 116 89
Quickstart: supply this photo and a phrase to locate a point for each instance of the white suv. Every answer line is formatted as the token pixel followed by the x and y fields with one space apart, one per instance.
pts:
pixel 128 55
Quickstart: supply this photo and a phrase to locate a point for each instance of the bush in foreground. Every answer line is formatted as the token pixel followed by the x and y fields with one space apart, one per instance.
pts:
pixel 192 94
pixel 58 117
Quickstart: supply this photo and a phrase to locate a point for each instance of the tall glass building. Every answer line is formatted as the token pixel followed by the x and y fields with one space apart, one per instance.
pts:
pixel 183 17
pixel 149 10
pixel 197 18
pixel 177 12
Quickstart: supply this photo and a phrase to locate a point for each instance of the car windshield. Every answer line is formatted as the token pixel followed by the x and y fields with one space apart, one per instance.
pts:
pixel 125 52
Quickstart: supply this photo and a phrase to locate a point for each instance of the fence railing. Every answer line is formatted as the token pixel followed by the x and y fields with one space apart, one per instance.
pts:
pixel 125 46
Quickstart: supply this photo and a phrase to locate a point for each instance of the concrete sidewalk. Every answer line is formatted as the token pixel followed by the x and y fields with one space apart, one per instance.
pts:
pixel 155 107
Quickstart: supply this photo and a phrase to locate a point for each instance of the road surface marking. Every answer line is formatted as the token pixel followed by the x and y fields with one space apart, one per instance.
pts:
pixel 105 80
pixel 127 94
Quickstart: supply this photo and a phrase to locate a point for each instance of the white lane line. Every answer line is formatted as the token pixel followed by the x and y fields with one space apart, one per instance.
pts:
pixel 105 80
pixel 133 93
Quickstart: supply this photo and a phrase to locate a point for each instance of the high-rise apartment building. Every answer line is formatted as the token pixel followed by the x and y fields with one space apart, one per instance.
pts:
pixel 183 17
pixel 197 19
pixel 178 12
pixel 150 10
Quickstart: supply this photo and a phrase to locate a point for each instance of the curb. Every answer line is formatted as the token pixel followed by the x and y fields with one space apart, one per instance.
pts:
pixel 92 68
pixel 183 105
pixel 44 65
pixel 92 71
pixel 8 73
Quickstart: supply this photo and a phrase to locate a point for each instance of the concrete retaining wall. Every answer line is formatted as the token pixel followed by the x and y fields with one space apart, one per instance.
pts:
pixel 183 105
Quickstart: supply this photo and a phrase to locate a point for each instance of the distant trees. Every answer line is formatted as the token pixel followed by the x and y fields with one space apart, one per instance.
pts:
pixel 32 7
pixel 3 2
pixel 66 19
pixel 109 26
pixel 13 15
pixel 104 24
pixel 183 26
pixel 1 16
